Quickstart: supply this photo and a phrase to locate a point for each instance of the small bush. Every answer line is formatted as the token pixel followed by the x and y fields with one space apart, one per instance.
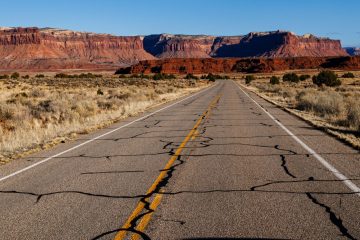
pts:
pixel 304 77
pixel 99 92
pixel 353 115
pixel 328 78
pixel 213 77
pixel 15 75
pixel 82 75
pixel 26 77
pixel 249 79
pixel 191 76
pixel 291 77
pixel 348 75
pixel 4 76
pixel 40 75
pixel 274 80
pixel 6 113
pixel 163 76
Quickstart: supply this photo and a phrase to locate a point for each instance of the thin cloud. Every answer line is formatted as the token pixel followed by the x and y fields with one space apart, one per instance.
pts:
pixel 333 33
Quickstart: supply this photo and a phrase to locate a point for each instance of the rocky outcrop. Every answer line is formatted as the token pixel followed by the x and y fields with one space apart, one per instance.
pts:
pixel 353 51
pixel 277 44
pixel 245 65
pixel 33 48
pixel 50 49
pixel 179 46
pixel 281 44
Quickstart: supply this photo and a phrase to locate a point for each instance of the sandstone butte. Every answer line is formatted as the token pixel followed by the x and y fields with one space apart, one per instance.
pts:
pixel 53 49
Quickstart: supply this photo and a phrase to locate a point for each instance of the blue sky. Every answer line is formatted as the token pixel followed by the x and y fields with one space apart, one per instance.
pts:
pixel 338 19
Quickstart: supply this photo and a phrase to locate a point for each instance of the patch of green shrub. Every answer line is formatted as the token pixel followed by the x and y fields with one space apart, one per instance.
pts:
pixel 249 79
pixel 348 75
pixel 40 75
pixel 291 77
pixel 163 76
pixel 191 76
pixel 328 78
pixel 15 75
pixel 304 77
pixel 274 80
pixel 82 75
pixel 99 92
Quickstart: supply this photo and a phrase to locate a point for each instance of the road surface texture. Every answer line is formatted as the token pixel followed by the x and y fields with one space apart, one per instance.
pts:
pixel 213 166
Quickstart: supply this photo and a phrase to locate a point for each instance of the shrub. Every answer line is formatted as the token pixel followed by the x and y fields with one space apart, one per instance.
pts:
pixel 26 77
pixel 304 77
pixel 60 75
pixel 353 115
pixel 249 79
pixel 4 76
pixel 99 92
pixel 15 75
pixel 82 75
pixel 348 75
pixel 328 78
pixel 6 113
pixel 191 76
pixel 162 76
pixel 40 75
pixel 274 80
pixel 322 103
pixel 291 77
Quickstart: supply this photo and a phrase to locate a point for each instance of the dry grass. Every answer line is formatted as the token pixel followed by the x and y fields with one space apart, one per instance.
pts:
pixel 337 109
pixel 34 112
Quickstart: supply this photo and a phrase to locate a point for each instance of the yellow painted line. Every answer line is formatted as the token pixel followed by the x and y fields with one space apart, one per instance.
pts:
pixel 156 201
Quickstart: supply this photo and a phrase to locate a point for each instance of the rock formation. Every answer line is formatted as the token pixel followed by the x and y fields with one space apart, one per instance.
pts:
pixel 50 49
pixel 33 48
pixel 244 65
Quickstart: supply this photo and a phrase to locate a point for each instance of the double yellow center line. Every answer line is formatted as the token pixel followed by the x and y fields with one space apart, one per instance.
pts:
pixel 136 214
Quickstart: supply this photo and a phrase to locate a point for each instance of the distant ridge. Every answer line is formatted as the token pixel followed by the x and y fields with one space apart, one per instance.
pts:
pixel 53 48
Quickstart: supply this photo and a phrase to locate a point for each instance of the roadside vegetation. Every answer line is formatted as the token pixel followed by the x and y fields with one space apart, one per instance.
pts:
pixel 324 98
pixel 38 111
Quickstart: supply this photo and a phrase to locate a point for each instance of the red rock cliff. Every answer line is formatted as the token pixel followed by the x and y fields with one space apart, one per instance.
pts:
pixel 245 65
pixel 52 48
pixel 47 48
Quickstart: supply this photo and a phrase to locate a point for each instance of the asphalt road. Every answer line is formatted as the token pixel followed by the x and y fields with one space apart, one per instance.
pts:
pixel 214 166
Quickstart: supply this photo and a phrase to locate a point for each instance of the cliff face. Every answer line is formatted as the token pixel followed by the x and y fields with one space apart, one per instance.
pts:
pixel 33 48
pixel 48 48
pixel 178 46
pixel 245 65
pixel 276 44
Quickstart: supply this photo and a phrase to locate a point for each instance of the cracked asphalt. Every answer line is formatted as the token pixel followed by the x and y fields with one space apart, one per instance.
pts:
pixel 240 176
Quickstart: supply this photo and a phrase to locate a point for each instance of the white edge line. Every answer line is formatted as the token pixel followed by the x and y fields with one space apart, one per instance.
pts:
pixel 100 136
pixel 325 163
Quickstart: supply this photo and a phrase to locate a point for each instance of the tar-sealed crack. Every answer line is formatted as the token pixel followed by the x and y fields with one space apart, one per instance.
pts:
pixel 283 161
pixel 333 218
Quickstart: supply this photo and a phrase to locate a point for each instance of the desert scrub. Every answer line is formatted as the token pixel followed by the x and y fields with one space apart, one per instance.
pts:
pixel 323 103
pixel 353 115
pixel 37 110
